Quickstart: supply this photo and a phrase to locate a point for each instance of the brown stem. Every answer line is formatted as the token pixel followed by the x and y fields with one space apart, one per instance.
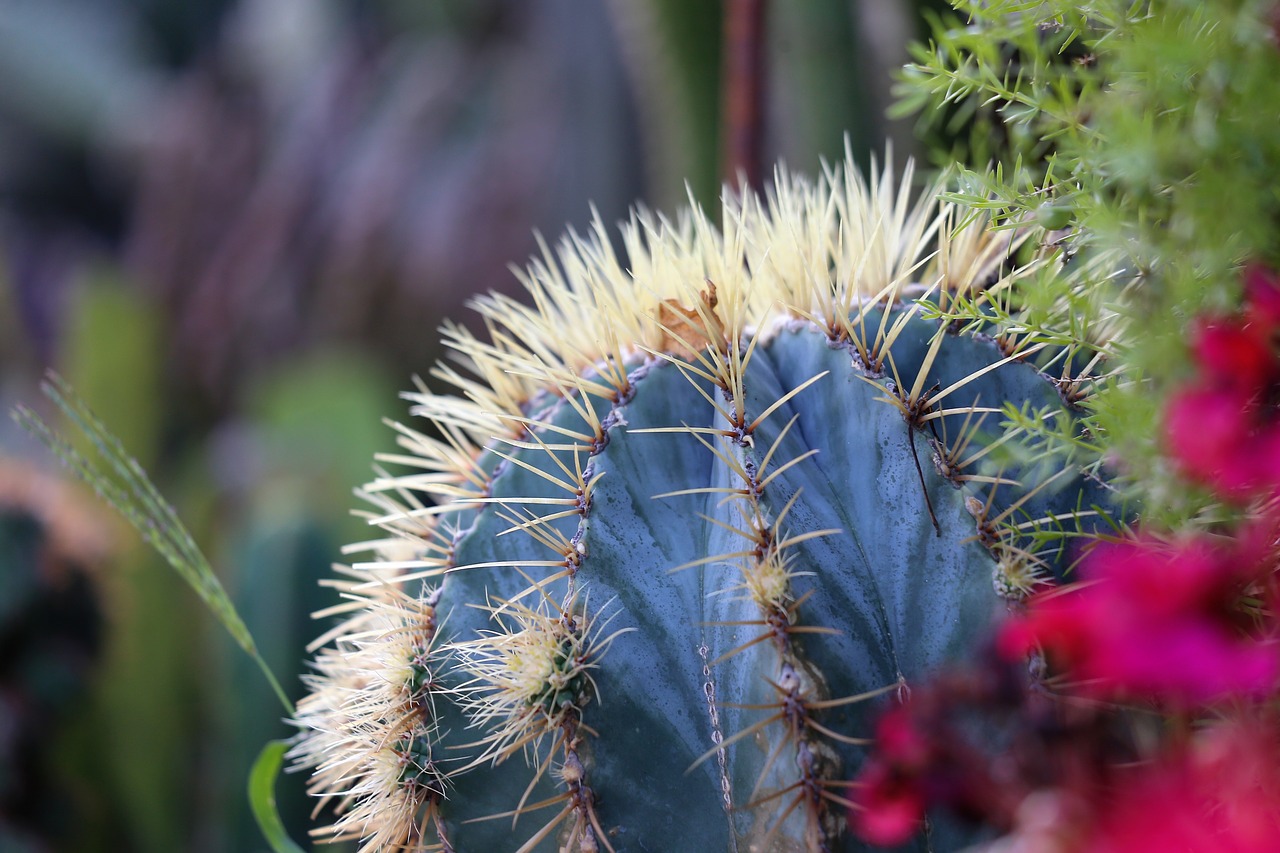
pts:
pixel 742 106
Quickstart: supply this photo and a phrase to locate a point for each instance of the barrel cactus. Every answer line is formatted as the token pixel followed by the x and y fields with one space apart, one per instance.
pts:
pixel 644 569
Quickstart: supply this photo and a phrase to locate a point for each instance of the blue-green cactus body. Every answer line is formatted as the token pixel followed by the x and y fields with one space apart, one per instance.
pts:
pixel 901 596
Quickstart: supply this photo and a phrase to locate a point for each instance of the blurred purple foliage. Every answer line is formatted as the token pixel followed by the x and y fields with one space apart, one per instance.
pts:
pixel 312 176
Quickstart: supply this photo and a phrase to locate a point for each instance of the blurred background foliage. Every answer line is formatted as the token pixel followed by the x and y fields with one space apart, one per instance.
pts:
pixel 234 226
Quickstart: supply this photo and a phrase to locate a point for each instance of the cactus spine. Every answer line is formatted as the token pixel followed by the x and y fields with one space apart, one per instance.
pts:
pixel 675 526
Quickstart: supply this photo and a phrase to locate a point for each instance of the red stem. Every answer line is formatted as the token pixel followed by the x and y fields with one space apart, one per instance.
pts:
pixel 742 108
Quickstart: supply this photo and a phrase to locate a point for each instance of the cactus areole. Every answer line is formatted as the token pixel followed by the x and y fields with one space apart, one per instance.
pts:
pixel 675 526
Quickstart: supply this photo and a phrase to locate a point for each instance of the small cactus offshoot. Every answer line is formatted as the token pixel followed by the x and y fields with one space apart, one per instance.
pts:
pixel 678 520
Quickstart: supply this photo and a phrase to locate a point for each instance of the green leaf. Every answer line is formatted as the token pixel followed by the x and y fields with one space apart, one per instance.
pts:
pixel 262 797
pixel 125 486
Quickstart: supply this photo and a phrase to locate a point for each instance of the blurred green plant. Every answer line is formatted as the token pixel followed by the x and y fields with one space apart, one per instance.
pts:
pixel 53 548
pixel 271 493
pixel 120 481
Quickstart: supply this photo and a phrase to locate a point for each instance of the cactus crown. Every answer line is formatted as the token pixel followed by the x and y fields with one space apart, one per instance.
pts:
pixel 662 537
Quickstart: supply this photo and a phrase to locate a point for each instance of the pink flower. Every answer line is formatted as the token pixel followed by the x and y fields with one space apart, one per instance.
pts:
pixel 1220 796
pixel 1222 430
pixel 888 805
pixel 1218 436
pixel 1262 296
pixel 888 798
pixel 1235 355
pixel 1155 620
pixel 900 740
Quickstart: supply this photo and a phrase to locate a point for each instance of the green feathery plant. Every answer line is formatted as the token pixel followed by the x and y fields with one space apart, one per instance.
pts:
pixel 125 486
pixel 1141 135
pixel 121 482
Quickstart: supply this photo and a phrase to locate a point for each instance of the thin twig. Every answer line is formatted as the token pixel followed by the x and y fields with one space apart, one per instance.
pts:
pixel 742 105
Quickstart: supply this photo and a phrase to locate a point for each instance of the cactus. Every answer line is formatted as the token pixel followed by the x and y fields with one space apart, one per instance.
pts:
pixel 678 525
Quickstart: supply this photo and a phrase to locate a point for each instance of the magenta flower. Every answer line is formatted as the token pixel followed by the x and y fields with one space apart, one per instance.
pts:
pixel 1262 295
pixel 1235 355
pixel 888 805
pixel 1156 620
pixel 924 760
pixel 1222 795
pixel 888 797
pixel 1222 430
pixel 1219 436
